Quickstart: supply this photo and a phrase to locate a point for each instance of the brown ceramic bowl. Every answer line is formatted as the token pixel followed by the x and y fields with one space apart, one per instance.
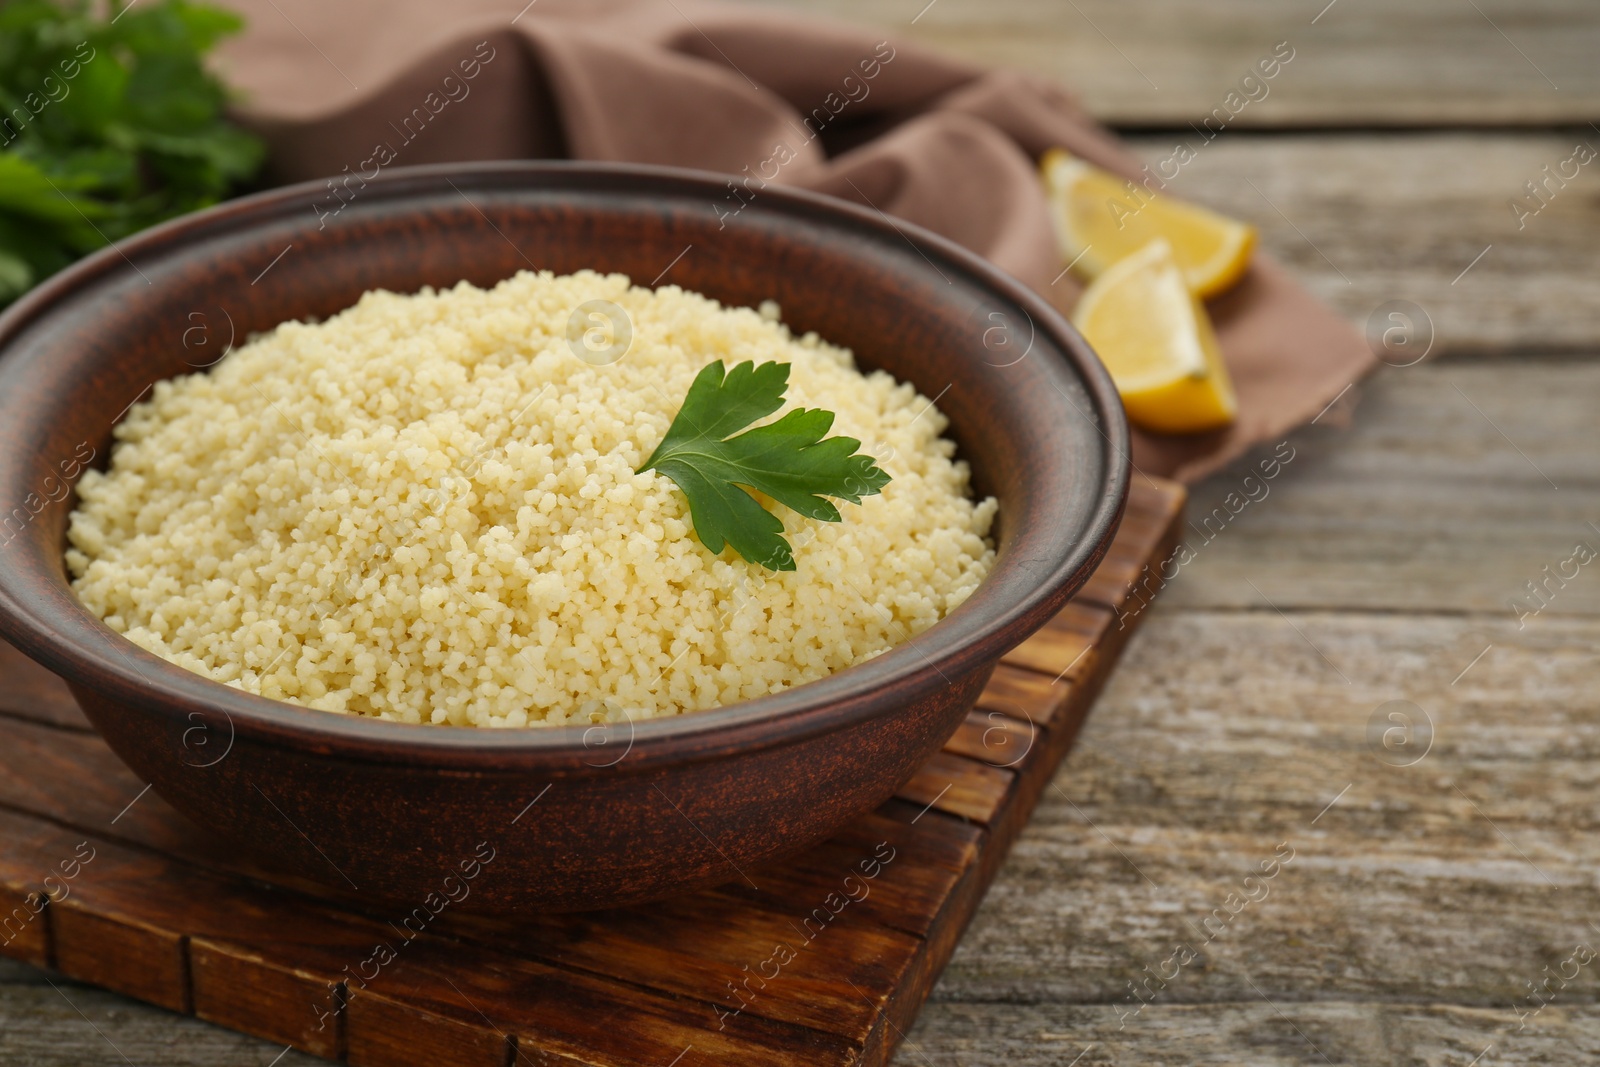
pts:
pixel 623 814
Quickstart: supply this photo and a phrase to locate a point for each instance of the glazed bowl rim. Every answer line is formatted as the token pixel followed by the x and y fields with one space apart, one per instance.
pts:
pixel 834 702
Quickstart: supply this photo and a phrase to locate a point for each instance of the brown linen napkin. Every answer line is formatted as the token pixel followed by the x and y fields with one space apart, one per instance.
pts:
pixel 763 96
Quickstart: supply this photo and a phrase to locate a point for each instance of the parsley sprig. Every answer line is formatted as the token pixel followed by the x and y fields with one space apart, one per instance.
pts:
pixel 789 460
pixel 109 122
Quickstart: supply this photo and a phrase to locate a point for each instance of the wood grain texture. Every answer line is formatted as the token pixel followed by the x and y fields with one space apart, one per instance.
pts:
pixel 1256 1033
pixel 1357 62
pixel 159 911
pixel 1446 886
pixel 50 1020
pixel 1364 219
pixel 1434 500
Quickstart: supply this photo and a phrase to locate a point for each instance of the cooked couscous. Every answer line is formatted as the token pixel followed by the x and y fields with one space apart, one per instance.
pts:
pixel 426 509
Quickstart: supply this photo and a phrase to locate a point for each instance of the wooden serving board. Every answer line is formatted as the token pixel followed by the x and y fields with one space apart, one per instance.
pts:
pixel 823 959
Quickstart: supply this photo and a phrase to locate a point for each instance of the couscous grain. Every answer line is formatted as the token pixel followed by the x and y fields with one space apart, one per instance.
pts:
pixel 425 509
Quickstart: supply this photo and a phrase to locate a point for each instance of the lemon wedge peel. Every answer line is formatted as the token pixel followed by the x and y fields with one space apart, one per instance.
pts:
pixel 1154 336
pixel 1101 218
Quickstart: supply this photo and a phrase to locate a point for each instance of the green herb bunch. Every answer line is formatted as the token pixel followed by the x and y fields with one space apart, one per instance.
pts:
pixel 107 125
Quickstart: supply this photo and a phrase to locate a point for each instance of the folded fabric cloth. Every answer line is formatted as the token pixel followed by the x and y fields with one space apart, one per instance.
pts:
pixel 764 96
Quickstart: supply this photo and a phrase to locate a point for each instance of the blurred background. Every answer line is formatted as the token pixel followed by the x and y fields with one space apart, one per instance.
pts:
pixel 1435 158
pixel 1393 142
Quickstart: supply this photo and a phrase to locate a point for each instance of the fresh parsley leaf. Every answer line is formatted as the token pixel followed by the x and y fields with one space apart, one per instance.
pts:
pixel 109 123
pixel 789 460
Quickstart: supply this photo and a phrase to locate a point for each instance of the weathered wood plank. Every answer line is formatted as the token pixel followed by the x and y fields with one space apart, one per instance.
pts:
pixel 1457 878
pixel 132 917
pixel 1026 694
pixel 1062 648
pixel 1252 1033
pixel 960 786
pixel 74 1026
pixel 1356 62
pixel 1404 894
pixel 1364 219
pixel 1436 499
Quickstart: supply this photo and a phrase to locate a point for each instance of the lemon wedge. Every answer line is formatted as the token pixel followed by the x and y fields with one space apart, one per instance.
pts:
pixel 1155 338
pixel 1100 218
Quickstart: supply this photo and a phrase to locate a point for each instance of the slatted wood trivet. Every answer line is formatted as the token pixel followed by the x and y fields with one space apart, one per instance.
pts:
pixel 823 959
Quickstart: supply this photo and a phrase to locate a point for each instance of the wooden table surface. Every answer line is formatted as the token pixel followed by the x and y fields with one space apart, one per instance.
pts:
pixel 1441 905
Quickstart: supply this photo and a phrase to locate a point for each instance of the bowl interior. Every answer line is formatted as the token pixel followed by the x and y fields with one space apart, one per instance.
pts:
pixel 1030 408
